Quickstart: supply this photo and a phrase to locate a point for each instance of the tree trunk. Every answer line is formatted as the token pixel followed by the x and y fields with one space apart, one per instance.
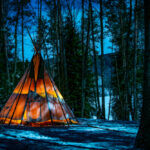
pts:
pixel 4 37
pixel 125 111
pixel 22 17
pixel 60 49
pixel 135 61
pixel 40 9
pixel 63 53
pixel 82 26
pixel 84 65
pixel 39 44
pixel 95 61
pixel 57 51
pixel 102 59
pixel 83 74
pixel 125 90
pixel 15 59
pixel 69 9
pixel 6 57
pixel 110 91
pixel 118 81
pixel 109 107
pixel 143 136
pixel 3 47
pixel 127 52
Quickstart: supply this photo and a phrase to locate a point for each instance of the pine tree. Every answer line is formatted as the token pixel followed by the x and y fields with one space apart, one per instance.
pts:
pixel 143 136
pixel 122 35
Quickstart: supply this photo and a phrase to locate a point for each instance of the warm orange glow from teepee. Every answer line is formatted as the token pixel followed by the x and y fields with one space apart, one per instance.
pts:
pixel 36 101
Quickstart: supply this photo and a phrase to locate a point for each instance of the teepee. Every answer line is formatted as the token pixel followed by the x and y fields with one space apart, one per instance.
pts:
pixel 36 100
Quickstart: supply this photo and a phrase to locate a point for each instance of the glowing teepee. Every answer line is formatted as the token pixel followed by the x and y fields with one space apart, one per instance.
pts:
pixel 36 100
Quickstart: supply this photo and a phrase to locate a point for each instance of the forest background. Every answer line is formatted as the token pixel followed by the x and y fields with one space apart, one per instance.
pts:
pixel 94 50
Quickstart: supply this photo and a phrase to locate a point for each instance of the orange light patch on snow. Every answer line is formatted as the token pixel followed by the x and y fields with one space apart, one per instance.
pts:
pixel 39 124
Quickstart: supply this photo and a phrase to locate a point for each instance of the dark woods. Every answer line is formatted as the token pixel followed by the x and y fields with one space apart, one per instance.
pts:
pixel 73 39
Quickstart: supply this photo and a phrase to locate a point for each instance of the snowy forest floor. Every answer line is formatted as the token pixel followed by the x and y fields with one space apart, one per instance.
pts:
pixel 90 134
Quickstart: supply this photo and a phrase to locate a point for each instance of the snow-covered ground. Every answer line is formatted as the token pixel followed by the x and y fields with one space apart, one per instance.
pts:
pixel 89 134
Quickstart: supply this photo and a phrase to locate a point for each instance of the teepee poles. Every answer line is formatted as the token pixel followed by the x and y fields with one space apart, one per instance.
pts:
pixel 15 98
pixel 48 104
pixel 26 102
pixel 59 100
pixel 32 40
pixel 19 101
pixel 19 96
pixel 26 99
pixel 20 90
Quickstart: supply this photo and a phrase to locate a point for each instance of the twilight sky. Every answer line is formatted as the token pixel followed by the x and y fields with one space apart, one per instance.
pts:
pixel 28 47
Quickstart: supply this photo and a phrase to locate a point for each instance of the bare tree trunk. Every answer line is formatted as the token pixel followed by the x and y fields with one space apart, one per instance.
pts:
pixel 4 37
pixel 46 53
pixel 84 65
pixel 57 51
pixel 69 9
pixel 95 61
pixel 125 111
pixel 40 9
pixel 102 59
pixel 66 89
pixel 117 78
pixel 82 26
pixel 143 136
pixel 118 82
pixel 60 49
pixel 39 45
pixel 83 74
pixel 15 59
pixel 22 17
pixel 6 56
pixel 110 97
pixel 3 45
pixel 125 93
pixel 128 41
pixel 110 91
pixel 95 100
pixel 135 61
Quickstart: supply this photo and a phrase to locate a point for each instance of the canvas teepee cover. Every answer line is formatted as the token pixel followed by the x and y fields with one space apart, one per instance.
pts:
pixel 36 100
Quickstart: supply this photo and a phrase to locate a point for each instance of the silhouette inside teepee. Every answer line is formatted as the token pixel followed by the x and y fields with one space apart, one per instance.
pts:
pixel 36 100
